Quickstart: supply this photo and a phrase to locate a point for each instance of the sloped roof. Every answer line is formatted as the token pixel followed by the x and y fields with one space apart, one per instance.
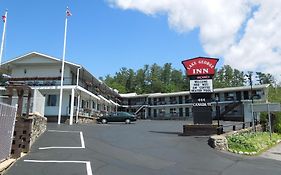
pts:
pixel 228 89
pixel 59 61
pixel 39 54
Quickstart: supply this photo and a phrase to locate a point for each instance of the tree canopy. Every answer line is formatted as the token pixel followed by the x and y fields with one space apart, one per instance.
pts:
pixel 155 78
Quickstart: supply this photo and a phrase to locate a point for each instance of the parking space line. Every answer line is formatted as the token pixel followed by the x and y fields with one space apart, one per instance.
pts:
pixel 82 140
pixel 63 131
pixel 88 163
pixel 62 147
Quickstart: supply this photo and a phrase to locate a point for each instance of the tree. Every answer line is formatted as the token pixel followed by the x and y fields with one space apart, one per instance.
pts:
pixel 130 83
pixel 177 80
pixel 166 73
pixel 140 81
pixel 265 78
pixel 154 78
pixel 228 77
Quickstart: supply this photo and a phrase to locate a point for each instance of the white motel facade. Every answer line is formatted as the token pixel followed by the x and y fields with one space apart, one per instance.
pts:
pixel 86 96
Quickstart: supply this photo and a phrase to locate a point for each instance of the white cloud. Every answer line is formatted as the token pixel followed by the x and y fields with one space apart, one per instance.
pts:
pixel 228 29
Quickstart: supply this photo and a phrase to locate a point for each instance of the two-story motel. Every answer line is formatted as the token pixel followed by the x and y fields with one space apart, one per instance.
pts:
pixel 234 102
pixel 84 95
pixel 88 95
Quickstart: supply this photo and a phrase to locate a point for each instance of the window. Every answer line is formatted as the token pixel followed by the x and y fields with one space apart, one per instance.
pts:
pixel 180 112
pixel 149 112
pixel 187 112
pixel 173 110
pixel 94 105
pixel 246 95
pixel 187 99
pixel 173 100
pixel 154 112
pixel 52 100
pixel 83 104
pixel 180 99
pixel 75 101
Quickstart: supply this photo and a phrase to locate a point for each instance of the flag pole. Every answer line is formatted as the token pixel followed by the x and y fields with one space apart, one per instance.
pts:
pixel 3 35
pixel 62 70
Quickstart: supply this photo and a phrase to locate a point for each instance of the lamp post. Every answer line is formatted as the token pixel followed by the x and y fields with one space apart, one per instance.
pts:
pixel 249 76
pixel 218 114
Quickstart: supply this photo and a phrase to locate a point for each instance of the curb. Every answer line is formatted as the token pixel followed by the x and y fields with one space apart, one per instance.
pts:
pixel 6 164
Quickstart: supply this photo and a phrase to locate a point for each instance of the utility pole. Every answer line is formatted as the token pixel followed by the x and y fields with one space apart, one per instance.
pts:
pixel 249 76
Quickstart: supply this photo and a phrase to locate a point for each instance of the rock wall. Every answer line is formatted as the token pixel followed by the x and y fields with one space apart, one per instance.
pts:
pixel 39 126
pixel 86 120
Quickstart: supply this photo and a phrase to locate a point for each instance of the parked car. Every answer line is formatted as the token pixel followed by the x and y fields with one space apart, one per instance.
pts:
pixel 117 117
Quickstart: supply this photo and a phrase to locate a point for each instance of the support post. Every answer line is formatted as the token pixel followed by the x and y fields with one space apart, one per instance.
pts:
pixel 269 121
pixel 20 101
pixel 71 107
pixel 77 108
pixel 145 113
pixel 28 104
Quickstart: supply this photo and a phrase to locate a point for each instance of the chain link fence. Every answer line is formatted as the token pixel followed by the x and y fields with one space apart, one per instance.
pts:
pixel 7 123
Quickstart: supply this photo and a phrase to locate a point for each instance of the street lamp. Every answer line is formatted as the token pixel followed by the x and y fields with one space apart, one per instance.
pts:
pixel 218 114
pixel 249 76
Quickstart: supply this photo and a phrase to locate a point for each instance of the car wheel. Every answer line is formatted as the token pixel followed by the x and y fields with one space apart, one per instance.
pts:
pixel 127 121
pixel 103 121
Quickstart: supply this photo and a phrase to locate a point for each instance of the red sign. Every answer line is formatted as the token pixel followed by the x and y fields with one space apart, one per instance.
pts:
pixel 200 66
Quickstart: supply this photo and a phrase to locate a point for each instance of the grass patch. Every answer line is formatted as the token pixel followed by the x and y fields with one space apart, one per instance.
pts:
pixel 252 142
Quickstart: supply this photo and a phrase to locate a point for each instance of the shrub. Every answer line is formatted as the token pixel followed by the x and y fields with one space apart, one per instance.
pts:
pixel 252 141
pixel 277 123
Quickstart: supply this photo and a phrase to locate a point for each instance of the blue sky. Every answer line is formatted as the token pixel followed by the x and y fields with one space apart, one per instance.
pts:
pixel 100 37
pixel 105 35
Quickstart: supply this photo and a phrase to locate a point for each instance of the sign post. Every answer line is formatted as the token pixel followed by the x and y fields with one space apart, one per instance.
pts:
pixel 200 71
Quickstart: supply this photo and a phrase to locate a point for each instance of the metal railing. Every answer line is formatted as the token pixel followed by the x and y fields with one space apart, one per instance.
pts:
pixel 7 123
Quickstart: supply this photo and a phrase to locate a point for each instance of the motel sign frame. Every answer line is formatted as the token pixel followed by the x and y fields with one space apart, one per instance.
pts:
pixel 200 71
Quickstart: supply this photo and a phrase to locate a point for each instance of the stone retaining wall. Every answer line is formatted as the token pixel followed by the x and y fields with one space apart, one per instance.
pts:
pixel 82 119
pixel 39 126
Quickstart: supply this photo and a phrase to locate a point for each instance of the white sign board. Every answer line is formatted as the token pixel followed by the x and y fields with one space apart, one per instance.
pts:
pixel 201 86
pixel 272 107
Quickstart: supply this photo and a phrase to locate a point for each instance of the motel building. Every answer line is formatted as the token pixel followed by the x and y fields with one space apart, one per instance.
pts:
pixel 235 103
pixel 85 96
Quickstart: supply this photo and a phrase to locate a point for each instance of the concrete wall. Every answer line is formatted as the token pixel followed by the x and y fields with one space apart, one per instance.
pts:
pixel 38 105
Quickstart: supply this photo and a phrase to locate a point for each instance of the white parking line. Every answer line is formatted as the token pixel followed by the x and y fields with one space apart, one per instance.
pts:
pixel 62 147
pixel 82 140
pixel 63 131
pixel 88 163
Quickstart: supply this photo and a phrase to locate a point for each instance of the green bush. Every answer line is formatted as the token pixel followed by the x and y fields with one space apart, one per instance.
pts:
pixel 277 123
pixel 252 141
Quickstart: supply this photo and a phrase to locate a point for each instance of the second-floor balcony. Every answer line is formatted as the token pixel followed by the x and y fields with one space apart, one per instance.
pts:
pixel 56 81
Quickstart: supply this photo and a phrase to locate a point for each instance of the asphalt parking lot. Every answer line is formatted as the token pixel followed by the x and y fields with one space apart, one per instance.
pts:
pixel 142 148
